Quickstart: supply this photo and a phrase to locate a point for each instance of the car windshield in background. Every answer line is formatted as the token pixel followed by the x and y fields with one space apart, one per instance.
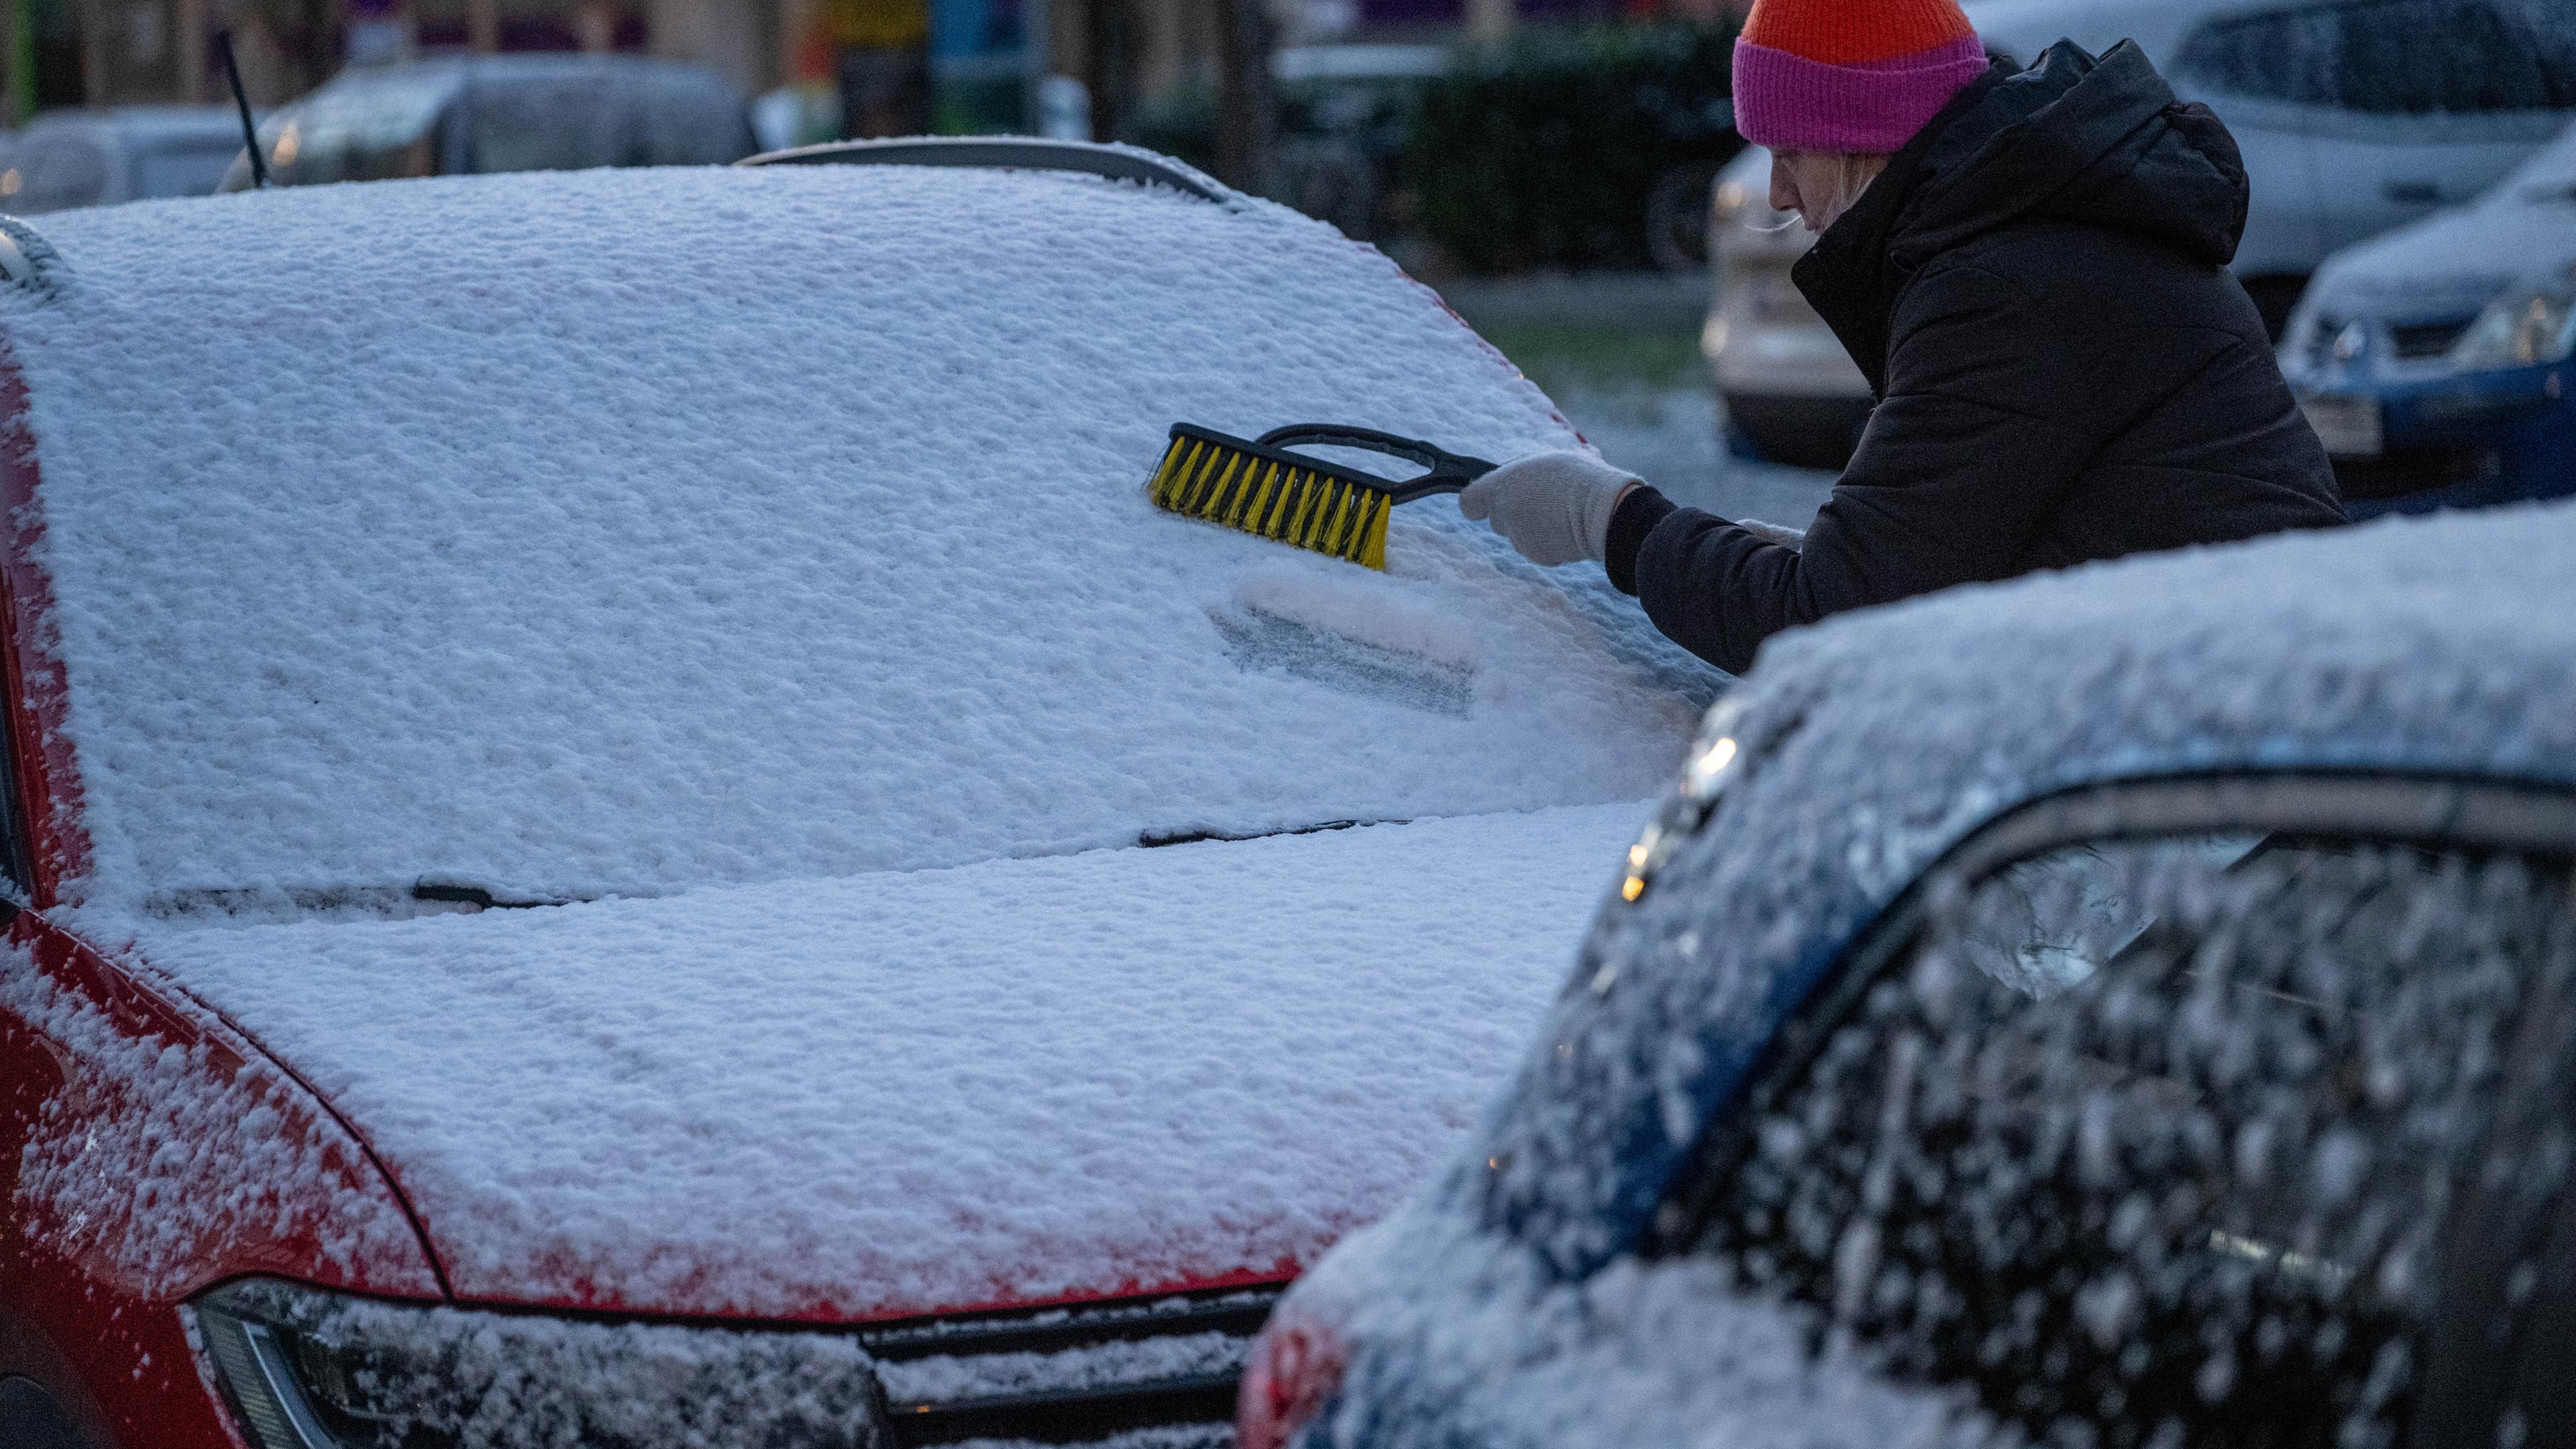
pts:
pixel 579 119
pixel 183 168
pixel 55 170
pixel 2397 57
pixel 358 128
pixel 725 524
pixel 520 113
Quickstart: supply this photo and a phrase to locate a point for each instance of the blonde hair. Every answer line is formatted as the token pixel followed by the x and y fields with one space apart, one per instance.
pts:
pixel 1853 171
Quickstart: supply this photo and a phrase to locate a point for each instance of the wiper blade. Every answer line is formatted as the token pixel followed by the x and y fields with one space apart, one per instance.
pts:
pixel 483 898
pixel 1152 839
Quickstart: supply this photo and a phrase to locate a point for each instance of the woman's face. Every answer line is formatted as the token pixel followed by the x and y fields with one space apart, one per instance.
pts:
pixel 1820 185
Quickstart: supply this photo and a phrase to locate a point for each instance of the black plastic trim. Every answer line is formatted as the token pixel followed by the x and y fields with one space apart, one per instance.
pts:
pixel 1023 1336
pixel 1068 1417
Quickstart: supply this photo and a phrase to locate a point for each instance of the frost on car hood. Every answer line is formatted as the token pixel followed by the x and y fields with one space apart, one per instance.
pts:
pixel 1006 1081
pixel 611 533
pixel 1865 747
pixel 2458 260
pixel 1463 1338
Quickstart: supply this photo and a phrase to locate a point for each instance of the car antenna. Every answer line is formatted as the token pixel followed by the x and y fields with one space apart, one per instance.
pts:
pixel 241 101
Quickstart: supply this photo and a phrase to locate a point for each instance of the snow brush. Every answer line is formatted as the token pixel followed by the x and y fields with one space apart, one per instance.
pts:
pixel 1262 488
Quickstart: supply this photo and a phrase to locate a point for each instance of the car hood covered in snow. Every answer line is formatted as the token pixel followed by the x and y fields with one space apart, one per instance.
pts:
pixel 1010 1081
pixel 2455 262
pixel 622 533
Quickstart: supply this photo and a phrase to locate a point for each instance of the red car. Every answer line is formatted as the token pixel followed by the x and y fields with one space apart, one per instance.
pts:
pixel 623 826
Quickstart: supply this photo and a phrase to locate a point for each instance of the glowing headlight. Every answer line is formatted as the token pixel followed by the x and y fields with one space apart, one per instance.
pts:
pixel 2533 327
pixel 305 1369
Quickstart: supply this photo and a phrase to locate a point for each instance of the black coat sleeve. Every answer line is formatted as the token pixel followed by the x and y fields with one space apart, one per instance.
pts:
pixel 1976 440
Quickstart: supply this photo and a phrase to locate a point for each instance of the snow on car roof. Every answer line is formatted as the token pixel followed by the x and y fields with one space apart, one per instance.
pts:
pixel 618 532
pixel 905 1091
pixel 1866 747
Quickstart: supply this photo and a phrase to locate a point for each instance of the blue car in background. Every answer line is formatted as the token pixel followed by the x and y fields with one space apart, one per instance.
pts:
pixel 2434 360
pixel 2131 1007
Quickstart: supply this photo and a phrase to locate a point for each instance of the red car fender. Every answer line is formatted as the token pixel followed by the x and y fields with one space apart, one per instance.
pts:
pixel 148 1151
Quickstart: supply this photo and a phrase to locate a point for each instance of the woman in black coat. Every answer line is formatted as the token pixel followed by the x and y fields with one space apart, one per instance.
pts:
pixel 2034 280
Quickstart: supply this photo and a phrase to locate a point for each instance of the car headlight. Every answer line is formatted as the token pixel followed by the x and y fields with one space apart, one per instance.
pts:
pixel 2529 327
pixel 305 1369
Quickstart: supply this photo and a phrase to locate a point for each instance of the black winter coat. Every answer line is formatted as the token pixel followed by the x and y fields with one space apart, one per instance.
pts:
pixel 2065 370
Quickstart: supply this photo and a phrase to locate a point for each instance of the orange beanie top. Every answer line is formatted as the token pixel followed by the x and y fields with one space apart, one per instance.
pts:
pixel 1856 32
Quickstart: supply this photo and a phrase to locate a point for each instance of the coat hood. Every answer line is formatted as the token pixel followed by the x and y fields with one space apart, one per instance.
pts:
pixel 2074 138
pixel 2079 139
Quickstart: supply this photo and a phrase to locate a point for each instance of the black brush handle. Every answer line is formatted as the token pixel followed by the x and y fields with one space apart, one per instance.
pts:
pixel 1449 471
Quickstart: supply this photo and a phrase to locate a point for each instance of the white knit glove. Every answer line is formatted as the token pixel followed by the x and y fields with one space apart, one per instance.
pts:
pixel 1553 507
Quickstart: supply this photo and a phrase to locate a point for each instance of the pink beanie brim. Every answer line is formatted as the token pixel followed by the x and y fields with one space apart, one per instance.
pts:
pixel 1790 103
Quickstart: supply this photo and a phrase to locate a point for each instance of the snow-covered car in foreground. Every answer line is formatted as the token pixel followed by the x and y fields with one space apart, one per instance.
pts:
pixel 2438 362
pixel 628 829
pixel 2134 1006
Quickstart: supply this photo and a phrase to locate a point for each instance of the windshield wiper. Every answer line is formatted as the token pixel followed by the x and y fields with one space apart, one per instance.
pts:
pixel 1152 839
pixel 454 893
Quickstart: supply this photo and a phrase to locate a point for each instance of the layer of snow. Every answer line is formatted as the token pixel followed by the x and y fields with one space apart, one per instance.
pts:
pixel 1477 1344
pixel 619 532
pixel 160 1156
pixel 2454 262
pixel 899 1092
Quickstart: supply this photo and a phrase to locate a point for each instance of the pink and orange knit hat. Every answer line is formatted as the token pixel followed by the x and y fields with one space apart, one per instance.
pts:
pixel 1850 75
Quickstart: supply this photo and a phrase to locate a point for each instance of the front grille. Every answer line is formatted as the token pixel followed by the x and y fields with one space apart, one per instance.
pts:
pixel 2427 339
pixel 1154 1375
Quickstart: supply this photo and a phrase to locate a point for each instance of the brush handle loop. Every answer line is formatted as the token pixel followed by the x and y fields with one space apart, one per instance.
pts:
pixel 1449 473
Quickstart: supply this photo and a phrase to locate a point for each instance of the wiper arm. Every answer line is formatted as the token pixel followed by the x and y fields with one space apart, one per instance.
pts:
pixel 460 893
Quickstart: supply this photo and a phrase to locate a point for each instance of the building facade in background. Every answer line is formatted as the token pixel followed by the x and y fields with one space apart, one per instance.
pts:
pixel 987 62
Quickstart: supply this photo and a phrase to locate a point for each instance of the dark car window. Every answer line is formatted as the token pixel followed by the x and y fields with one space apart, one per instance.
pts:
pixel 2391 57
pixel 183 168
pixel 366 128
pixel 621 118
pixel 57 171
pixel 695 120
pixel 549 123
pixel 2152 1144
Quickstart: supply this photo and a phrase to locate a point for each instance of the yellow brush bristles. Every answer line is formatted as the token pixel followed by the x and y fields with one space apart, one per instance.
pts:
pixel 1264 496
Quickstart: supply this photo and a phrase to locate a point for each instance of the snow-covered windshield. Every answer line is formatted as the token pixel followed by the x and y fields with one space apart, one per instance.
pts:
pixel 2196 1187
pixel 617 532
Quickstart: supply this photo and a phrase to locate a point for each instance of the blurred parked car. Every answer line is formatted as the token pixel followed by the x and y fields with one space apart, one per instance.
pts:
pixel 1345 113
pixel 2354 116
pixel 669 850
pixel 65 159
pixel 2133 1006
pixel 474 115
pixel 2434 361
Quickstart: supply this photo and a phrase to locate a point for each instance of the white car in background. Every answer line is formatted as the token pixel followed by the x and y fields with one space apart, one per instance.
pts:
pixel 65 159
pixel 2355 116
